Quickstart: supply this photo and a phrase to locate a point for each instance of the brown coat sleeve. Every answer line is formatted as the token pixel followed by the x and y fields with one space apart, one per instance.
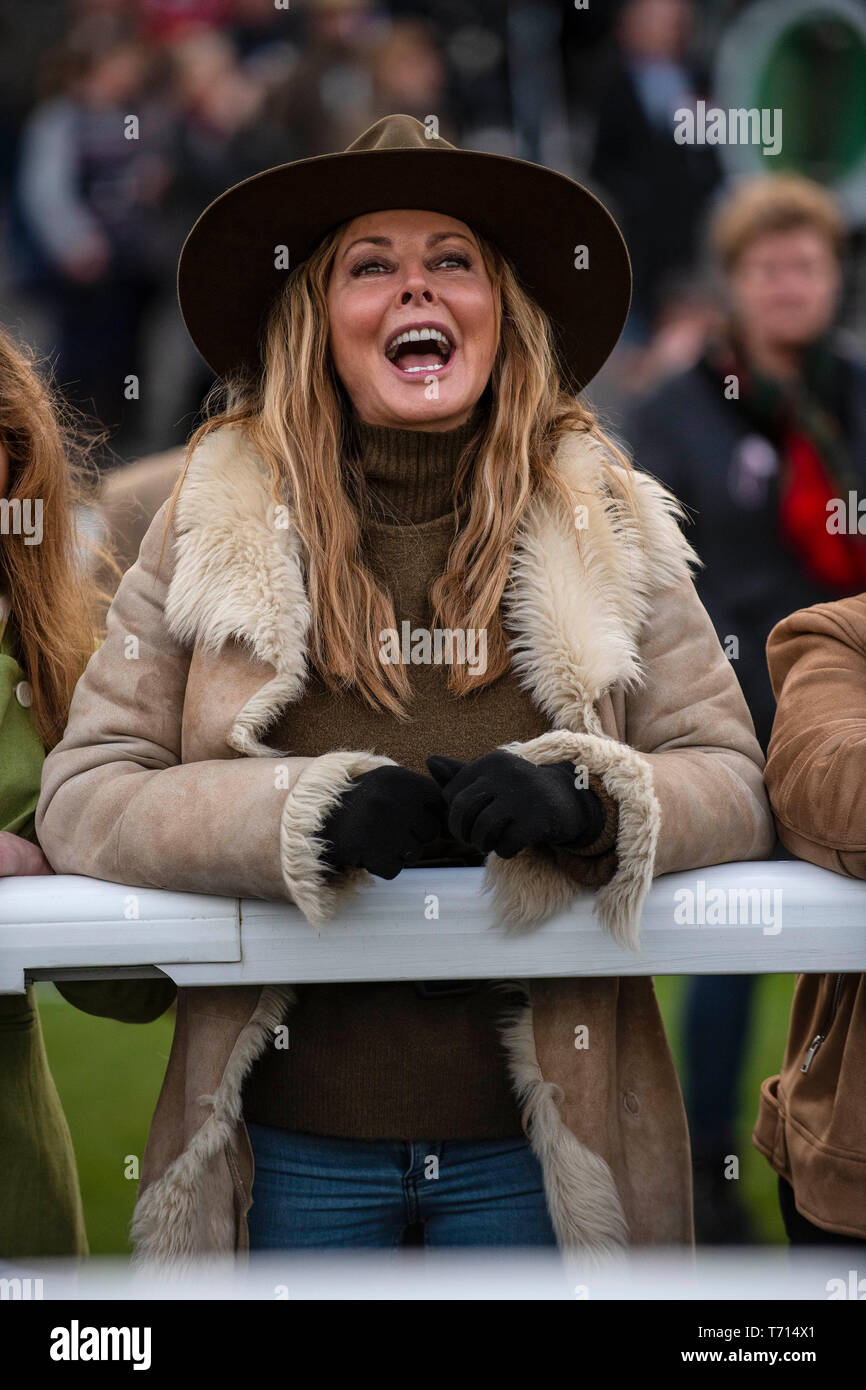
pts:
pixel 690 720
pixel 129 499
pixel 595 864
pixel 816 762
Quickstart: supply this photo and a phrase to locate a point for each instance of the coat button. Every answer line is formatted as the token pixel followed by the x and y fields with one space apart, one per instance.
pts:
pixel 631 1102
pixel 24 694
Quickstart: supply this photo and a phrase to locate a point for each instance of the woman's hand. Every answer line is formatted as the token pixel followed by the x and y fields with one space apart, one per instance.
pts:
pixel 384 821
pixel 501 803
pixel 21 857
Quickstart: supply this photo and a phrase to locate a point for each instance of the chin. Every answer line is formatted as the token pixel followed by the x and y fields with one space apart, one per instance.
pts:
pixel 794 334
pixel 418 410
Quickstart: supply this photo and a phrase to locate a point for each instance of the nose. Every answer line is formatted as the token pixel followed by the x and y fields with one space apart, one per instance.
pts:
pixel 415 288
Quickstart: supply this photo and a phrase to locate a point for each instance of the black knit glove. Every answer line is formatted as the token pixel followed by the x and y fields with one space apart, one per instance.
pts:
pixel 503 803
pixel 384 821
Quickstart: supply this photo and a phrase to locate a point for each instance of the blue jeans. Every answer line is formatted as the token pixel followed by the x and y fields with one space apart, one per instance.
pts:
pixel 311 1191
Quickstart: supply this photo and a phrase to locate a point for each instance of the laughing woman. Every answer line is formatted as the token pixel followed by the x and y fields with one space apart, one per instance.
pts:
pixel 401 445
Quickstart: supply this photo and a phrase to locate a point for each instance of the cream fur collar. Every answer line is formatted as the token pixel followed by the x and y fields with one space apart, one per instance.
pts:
pixel 582 589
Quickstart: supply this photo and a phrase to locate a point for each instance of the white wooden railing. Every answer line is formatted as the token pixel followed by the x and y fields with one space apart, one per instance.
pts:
pixel 756 917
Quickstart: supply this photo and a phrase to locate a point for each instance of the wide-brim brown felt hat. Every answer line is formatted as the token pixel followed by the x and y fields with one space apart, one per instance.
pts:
pixel 228 279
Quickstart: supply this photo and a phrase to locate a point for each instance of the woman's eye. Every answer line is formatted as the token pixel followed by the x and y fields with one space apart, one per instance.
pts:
pixel 368 265
pixel 453 258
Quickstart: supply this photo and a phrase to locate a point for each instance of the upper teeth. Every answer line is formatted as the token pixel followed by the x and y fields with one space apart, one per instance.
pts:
pixel 417 335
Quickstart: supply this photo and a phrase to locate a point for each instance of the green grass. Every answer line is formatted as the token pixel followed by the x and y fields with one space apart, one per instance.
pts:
pixel 109 1074
pixel 771 1010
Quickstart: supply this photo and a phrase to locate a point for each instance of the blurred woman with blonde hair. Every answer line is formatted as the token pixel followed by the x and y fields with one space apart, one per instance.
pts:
pixel 49 611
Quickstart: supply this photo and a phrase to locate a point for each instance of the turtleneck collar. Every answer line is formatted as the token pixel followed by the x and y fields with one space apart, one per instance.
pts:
pixel 410 473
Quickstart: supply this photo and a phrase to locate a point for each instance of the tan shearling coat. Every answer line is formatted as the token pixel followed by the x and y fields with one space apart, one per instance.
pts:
pixel 162 780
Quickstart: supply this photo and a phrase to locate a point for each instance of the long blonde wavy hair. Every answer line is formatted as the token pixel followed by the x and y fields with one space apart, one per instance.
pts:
pixel 57 605
pixel 300 419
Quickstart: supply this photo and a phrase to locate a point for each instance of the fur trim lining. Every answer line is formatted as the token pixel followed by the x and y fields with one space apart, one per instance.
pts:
pixel 166 1222
pixel 530 888
pixel 238 573
pixel 584 584
pixel 318 789
pixel 585 1208
pixel 581 586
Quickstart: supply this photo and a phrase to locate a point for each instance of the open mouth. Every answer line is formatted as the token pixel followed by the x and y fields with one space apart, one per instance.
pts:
pixel 418 351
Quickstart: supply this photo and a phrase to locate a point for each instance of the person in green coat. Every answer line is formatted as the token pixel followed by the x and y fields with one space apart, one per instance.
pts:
pixel 48 613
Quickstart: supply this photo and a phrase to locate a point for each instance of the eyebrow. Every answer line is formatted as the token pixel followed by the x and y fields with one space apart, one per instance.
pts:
pixel 386 241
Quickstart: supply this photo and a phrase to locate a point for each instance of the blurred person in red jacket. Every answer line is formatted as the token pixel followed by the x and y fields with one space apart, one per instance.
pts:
pixel 757 439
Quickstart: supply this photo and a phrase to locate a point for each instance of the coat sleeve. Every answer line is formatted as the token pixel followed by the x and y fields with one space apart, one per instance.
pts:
pixel 691 724
pixel 686 774
pixel 816 761
pixel 126 1001
pixel 118 803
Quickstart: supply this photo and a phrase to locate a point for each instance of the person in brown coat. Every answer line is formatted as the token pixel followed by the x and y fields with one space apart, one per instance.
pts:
pixel 402 459
pixel 811 1123
pixel 129 498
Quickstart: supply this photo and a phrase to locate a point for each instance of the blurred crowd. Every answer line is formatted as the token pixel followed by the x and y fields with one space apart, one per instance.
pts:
pixel 121 119
pixel 140 113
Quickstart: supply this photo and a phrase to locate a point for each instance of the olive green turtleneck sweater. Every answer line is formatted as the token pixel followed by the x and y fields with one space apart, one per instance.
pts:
pixel 381 1060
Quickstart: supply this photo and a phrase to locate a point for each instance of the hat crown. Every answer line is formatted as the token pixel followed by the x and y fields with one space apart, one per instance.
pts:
pixel 398 133
pixel 229 275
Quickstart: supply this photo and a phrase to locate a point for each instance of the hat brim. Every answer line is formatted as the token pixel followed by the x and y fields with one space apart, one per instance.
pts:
pixel 227 278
